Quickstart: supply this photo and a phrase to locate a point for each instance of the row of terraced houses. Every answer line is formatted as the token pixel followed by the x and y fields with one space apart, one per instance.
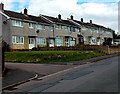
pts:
pixel 24 31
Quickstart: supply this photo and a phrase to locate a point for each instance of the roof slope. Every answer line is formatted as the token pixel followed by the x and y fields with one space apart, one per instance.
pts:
pixel 24 17
pixel 53 19
pixel 60 21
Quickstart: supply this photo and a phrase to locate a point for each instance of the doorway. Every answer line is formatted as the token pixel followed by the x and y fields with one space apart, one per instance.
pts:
pixel 31 43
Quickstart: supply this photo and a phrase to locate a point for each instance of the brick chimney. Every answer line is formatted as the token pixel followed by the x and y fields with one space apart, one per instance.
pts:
pixel 81 19
pixel 59 16
pixel 1 6
pixel 71 17
pixel 25 11
pixel 91 21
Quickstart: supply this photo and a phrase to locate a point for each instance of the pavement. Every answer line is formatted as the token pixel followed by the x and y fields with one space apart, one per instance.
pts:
pixel 20 73
pixel 14 77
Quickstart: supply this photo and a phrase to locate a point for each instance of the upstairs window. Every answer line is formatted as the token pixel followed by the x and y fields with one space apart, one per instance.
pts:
pixel 72 29
pixel 66 27
pixel 58 27
pixel 83 28
pixel 93 30
pixel 41 27
pixel 107 32
pixel 17 23
pixel 51 28
pixel 31 25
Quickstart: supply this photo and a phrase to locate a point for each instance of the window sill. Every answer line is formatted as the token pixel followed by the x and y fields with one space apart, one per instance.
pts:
pixel 31 27
pixel 17 26
pixel 17 43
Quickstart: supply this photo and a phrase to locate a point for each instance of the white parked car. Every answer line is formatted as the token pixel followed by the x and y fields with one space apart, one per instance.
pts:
pixel 117 41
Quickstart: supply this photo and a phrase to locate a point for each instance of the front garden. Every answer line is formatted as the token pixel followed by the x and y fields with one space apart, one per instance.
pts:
pixel 48 56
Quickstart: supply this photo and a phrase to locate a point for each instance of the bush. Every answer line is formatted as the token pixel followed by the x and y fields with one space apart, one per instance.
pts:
pixel 5 46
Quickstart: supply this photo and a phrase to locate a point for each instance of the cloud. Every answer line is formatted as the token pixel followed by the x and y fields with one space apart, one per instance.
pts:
pixel 101 13
pixel 98 1
pixel 15 5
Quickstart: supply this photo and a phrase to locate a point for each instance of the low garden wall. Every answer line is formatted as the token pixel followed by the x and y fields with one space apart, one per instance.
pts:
pixel 104 49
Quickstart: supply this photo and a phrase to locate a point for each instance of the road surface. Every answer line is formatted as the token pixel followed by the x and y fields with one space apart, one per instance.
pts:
pixel 102 76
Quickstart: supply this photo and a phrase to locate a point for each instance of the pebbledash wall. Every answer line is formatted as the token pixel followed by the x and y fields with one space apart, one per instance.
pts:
pixel 24 31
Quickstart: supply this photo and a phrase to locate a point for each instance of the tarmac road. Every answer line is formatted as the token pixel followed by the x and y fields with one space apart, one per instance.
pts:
pixel 102 76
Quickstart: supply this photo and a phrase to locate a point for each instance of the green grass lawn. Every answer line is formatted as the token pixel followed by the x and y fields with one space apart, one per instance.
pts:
pixel 48 56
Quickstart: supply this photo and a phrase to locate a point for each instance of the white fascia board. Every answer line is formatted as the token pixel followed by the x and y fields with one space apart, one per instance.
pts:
pixel 74 22
pixel 4 15
pixel 27 20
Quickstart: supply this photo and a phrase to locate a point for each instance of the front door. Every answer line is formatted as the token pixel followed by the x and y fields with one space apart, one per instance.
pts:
pixel 66 41
pixel 31 43
pixel 51 43
pixel 80 39
pixel 98 42
pixel 92 41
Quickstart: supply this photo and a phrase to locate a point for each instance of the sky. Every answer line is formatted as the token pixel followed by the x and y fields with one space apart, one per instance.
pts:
pixel 102 12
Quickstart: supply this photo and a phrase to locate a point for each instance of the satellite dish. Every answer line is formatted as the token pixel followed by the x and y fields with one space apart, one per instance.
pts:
pixel 4 22
pixel 37 31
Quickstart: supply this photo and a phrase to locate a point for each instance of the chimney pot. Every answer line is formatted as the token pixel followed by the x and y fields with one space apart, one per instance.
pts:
pixel 71 17
pixel 25 11
pixel 1 6
pixel 59 16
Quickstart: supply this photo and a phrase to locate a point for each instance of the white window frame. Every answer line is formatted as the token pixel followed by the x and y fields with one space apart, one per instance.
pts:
pixel 59 41
pixel 51 28
pixel 83 28
pixel 41 41
pixel 40 27
pixel 18 23
pixel 66 27
pixel 58 26
pixel 20 41
pixel 31 25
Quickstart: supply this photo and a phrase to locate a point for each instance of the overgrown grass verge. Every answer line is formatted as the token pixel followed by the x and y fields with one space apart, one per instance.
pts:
pixel 48 56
